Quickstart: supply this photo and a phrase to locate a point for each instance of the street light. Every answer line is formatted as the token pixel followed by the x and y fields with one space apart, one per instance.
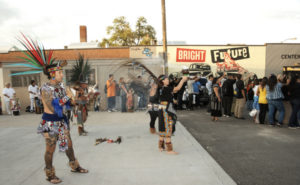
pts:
pixel 294 38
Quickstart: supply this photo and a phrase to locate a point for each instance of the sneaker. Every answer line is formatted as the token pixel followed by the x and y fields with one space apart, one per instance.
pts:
pixel 109 111
pixel 279 125
pixel 224 115
pixel 227 116
pixel 290 127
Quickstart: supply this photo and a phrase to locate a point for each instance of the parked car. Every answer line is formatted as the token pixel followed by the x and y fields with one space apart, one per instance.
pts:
pixel 200 69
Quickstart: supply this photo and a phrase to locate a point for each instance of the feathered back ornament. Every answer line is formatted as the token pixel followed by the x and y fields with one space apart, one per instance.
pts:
pixel 81 70
pixel 37 57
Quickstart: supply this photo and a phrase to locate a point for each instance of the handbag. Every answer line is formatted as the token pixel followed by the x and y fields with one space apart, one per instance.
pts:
pixel 253 112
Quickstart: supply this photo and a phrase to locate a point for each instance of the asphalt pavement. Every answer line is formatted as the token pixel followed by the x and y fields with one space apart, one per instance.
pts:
pixel 252 154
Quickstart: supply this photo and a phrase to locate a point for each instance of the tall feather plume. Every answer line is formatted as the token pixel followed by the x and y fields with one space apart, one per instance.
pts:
pixel 36 53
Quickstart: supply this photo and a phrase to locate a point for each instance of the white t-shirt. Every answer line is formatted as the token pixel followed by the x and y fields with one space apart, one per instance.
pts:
pixel 209 87
pixel 190 86
pixel 34 90
pixel 8 91
pixel 255 89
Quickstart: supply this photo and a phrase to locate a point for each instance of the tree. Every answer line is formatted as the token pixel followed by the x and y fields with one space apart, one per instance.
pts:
pixel 121 33
pixel 144 33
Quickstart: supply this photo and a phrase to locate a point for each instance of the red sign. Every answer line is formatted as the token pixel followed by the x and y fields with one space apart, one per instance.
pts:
pixel 190 55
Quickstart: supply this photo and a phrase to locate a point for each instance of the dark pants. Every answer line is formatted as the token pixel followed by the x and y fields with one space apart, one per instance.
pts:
pixel 262 113
pixel 142 100
pixel 111 102
pixel 293 122
pixel 123 103
pixel 197 100
pixel 179 101
pixel 209 104
pixel 190 104
pixel 153 117
pixel 227 103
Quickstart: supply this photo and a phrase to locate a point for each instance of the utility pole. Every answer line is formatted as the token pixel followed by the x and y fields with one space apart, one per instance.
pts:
pixel 164 26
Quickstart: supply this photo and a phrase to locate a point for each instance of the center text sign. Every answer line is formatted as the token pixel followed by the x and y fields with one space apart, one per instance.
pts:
pixel 234 53
pixel 190 55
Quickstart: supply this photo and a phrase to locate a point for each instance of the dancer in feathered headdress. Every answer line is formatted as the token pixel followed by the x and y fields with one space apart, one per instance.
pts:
pixel 80 73
pixel 54 125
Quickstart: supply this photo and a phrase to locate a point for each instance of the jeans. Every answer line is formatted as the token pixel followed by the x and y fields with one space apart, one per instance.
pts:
pixel 255 103
pixel 249 105
pixel 276 104
pixel 111 101
pixel 293 122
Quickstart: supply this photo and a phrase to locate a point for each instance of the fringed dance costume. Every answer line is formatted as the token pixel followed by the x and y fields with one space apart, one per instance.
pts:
pixel 167 117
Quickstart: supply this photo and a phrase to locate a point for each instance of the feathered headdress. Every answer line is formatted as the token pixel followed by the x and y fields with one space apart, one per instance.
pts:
pixel 37 58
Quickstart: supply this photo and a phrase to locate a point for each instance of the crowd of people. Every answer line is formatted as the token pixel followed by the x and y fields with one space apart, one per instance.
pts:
pixel 234 95
pixel 267 96
pixel 120 96
pixel 227 96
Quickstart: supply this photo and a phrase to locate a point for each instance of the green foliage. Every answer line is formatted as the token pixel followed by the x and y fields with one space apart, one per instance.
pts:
pixel 81 70
pixel 121 33
pixel 144 33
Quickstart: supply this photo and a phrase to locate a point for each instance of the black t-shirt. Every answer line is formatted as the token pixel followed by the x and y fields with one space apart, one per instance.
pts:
pixel 240 87
pixel 250 94
pixel 166 93
pixel 181 91
pixel 155 98
pixel 285 92
pixel 295 91
pixel 227 88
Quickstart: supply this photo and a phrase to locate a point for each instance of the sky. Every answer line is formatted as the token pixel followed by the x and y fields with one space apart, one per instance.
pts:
pixel 197 22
